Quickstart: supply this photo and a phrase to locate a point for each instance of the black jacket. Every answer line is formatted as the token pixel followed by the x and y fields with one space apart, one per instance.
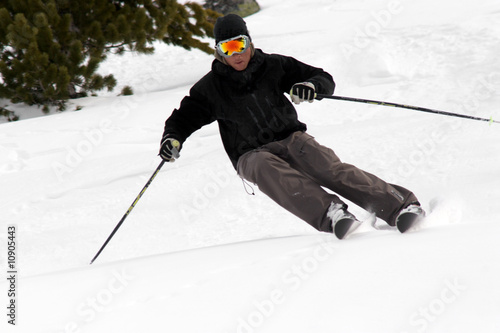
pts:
pixel 250 106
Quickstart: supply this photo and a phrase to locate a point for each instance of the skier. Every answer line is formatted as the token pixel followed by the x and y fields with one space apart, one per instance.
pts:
pixel 269 146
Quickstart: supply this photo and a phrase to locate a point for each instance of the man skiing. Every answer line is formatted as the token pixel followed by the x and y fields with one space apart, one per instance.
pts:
pixel 269 146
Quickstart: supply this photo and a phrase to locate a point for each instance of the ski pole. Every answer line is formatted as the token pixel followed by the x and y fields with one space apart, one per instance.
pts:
pixel 176 155
pixel 396 105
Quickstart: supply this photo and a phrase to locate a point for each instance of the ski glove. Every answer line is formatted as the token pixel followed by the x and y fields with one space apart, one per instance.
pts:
pixel 170 148
pixel 304 91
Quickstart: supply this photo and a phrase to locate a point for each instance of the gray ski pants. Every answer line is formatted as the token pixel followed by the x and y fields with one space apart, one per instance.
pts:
pixel 293 171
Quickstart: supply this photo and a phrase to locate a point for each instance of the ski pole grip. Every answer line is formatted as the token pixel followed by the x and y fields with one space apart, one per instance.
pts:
pixel 175 150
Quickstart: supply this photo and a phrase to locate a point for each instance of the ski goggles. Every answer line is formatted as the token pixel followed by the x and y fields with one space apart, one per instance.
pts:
pixel 232 46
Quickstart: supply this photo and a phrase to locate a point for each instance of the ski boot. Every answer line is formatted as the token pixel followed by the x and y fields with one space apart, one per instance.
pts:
pixel 409 217
pixel 343 222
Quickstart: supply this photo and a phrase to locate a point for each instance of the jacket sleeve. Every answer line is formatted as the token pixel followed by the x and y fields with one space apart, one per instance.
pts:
pixel 296 71
pixel 193 113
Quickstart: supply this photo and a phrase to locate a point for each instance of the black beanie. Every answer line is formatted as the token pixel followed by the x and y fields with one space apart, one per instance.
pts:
pixel 229 26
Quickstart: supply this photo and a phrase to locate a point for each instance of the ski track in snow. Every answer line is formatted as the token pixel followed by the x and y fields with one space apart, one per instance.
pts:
pixel 198 253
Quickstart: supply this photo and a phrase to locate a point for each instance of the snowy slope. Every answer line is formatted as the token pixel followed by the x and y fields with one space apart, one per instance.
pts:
pixel 293 284
pixel 199 254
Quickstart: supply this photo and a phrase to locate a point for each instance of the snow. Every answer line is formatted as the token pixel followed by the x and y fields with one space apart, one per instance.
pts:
pixel 198 253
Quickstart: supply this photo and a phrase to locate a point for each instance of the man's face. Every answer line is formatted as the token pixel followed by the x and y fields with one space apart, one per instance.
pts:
pixel 240 61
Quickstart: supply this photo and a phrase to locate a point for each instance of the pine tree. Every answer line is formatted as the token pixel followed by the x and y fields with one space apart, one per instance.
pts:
pixel 50 50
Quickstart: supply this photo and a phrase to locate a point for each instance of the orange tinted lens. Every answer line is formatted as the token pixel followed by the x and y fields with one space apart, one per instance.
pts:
pixel 232 46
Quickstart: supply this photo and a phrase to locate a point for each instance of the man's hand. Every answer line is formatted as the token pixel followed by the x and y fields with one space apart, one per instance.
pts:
pixel 170 148
pixel 304 91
